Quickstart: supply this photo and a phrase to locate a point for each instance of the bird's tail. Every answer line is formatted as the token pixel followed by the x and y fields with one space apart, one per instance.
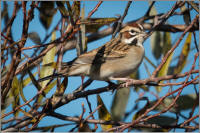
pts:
pixel 56 75
pixel 62 73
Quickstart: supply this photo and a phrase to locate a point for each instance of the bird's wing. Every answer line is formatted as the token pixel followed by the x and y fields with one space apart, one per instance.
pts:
pixel 110 51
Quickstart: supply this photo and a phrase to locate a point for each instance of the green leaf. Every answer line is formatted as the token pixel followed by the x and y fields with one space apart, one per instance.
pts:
pixel 81 46
pixel 83 31
pixel 184 102
pixel 119 103
pixel 24 83
pixel 63 86
pixel 47 12
pixel 161 121
pixel 93 24
pixel 84 127
pixel 166 47
pixel 15 94
pixel 103 114
pixel 143 110
pixel 156 44
pixel 76 9
pixel 28 80
pixel 48 68
pixel 186 14
pixel 26 113
pixel 184 54
pixel 48 59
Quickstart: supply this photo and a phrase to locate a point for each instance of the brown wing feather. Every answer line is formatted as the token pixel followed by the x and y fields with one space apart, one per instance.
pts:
pixel 112 50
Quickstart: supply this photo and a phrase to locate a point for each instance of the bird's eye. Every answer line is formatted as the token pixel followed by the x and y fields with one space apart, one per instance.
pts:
pixel 132 32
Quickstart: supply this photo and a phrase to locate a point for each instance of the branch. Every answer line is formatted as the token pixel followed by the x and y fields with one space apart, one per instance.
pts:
pixel 121 19
pixel 95 9
pixel 69 97
pixel 174 47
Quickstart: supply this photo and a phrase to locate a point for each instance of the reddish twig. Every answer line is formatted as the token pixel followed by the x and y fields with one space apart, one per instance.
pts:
pixel 161 99
pixel 189 120
pixel 173 48
pixel 95 9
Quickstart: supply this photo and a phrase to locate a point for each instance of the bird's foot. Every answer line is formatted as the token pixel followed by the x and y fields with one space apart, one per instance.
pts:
pixel 126 80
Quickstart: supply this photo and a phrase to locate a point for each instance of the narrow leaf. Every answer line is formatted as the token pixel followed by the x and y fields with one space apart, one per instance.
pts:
pixel 34 37
pixel 15 94
pixel 48 59
pixel 167 46
pixel 141 111
pixel 48 67
pixel 103 114
pixel 76 9
pixel 184 54
pixel 186 15
pixel 156 44
pixel 47 12
pixel 184 102
pixel 119 103
pixel 93 24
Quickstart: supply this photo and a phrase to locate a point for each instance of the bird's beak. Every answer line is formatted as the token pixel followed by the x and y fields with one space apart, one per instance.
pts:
pixel 144 34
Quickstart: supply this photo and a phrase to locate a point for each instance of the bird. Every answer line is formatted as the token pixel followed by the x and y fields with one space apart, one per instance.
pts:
pixel 115 60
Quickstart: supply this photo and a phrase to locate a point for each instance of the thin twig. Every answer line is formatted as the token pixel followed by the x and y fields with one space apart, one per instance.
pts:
pixel 173 48
pixel 95 9
pixel 121 19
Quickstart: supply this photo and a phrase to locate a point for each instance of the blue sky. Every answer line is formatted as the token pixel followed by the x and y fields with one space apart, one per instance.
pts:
pixel 107 9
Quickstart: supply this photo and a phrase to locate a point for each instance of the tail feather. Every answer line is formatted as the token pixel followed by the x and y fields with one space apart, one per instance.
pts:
pixel 65 68
pixel 56 75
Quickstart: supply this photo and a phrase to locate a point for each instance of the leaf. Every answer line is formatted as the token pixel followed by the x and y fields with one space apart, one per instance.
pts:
pixel 28 80
pixel 184 54
pixel 156 44
pixel 48 59
pixel 48 67
pixel 161 121
pixel 63 86
pixel 119 103
pixel 186 14
pixel 83 31
pixel 166 47
pixel 76 9
pixel 81 45
pixel 93 24
pixel 14 92
pixel 62 9
pixel 24 83
pixel 34 37
pixel 48 88
pixel 143 110
pixel 103 114
pixel 84 127
pixel 47 12
pixel 184 102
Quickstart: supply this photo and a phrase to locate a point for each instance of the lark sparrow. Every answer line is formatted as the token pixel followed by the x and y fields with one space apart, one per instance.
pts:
pixel 114 60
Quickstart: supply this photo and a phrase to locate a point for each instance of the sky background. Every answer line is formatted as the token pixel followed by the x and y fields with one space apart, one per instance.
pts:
pixel 107 9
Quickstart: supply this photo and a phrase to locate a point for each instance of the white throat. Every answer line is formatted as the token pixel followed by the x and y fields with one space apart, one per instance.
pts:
pixel 139 41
